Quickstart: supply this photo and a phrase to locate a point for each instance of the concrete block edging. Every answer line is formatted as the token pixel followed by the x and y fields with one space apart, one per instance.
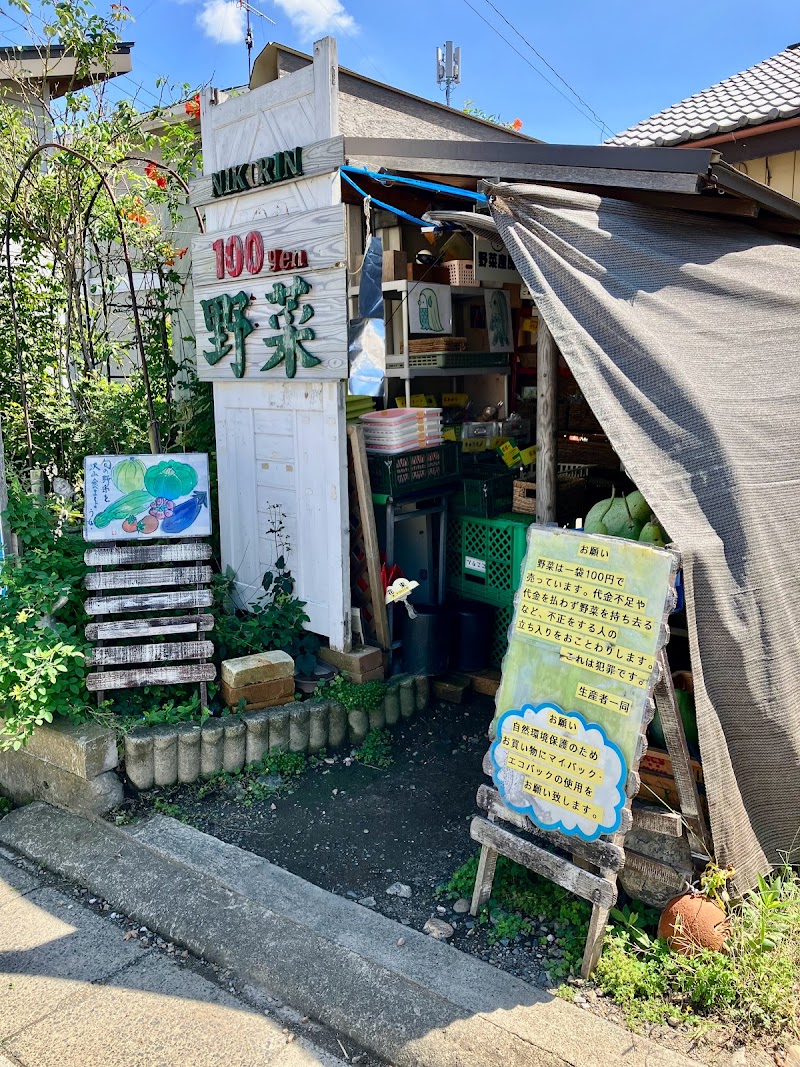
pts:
pixel 166 755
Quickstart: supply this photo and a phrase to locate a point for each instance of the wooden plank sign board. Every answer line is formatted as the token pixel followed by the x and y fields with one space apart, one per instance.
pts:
pixel 136 498
pixel 149 567
pixel 575 698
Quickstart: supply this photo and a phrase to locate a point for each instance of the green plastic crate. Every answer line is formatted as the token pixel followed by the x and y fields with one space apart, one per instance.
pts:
pixel 502 622
pixel 412 472
pixel 485 494
pixel 485 556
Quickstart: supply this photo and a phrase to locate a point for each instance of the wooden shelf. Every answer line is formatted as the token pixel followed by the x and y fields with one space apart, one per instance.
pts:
pixel 402 286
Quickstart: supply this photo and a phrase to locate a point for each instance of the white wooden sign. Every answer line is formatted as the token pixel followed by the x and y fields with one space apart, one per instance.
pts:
pixel 270 305
pixel 492 263
pixel 133 498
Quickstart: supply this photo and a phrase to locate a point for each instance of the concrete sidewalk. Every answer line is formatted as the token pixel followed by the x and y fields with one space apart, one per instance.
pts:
pixel 76 993
pixel 409 1000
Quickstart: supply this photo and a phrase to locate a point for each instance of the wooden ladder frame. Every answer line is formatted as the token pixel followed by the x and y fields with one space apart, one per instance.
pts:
pixel 155 663
pixel 607 854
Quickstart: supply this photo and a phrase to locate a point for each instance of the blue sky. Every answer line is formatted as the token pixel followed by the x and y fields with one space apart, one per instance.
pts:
pixel 626 59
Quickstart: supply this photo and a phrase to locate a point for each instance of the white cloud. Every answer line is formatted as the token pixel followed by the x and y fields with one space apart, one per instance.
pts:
pixel 223 21
pixel 315 17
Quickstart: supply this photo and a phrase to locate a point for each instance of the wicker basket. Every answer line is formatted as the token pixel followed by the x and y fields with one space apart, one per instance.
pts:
pixel 461 271
pixel 419 345
pixel 524 497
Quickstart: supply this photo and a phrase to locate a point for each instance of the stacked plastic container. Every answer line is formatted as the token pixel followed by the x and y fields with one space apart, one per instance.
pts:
pixel 398 430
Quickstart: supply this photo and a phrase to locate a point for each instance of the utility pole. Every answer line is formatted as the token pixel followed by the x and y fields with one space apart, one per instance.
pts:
pixel 448 68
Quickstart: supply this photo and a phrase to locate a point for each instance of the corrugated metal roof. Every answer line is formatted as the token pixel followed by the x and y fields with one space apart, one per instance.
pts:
pixel 767 92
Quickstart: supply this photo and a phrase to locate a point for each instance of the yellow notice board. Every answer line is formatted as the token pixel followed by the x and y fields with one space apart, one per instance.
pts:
pixel 589 619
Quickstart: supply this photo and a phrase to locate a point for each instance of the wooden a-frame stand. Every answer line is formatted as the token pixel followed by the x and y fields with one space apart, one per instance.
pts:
pixel 592 870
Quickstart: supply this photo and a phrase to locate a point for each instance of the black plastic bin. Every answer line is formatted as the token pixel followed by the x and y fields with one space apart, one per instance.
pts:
pixel 425 639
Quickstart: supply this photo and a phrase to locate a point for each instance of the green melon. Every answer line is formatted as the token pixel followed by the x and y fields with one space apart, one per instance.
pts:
pixel 639 508
pixel 653 534
pixel 596 511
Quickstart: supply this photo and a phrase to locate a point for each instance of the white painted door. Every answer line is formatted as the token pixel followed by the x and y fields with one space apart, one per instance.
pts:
pixel 282 461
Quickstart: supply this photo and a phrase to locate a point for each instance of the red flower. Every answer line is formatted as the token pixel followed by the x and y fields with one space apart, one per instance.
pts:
pixel 516 124
pixel 193 106
pixel 152 172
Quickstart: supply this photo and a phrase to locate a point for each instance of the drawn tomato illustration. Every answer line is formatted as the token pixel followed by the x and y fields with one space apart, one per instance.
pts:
pixel 130 525
pixel 147 525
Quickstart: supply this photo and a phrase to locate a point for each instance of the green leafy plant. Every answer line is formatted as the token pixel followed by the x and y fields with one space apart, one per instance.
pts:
pixel 366 695
pixel 249 782
pixel 175 811
pixel 636 924
pixel 376 749
pixel 517 896
pixel 5 806
pixel 276 620
pixel 42 652
pixel 754 985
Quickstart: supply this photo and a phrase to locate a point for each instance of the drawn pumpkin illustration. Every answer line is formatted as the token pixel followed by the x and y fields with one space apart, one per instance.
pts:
pixel 429 318
pixel 170 479
pixel 128 475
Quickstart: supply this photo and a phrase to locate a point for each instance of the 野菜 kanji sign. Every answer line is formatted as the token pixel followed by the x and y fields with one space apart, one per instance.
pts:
pixel 589 619
pixel 132 498
pixel 229 327
pixel 288 344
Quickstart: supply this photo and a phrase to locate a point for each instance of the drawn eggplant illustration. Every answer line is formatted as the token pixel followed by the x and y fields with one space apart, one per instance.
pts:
pixel 184 514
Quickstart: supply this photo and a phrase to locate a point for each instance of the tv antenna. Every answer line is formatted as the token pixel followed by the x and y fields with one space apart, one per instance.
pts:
pixel 448 68
pixel 248 37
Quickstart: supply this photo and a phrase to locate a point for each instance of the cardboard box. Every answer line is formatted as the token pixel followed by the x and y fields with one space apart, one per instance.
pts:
pixel 421 272
pixel 658 781
pixel 395 266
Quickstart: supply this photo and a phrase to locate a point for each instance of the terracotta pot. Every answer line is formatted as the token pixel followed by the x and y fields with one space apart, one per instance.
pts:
pixel 691 922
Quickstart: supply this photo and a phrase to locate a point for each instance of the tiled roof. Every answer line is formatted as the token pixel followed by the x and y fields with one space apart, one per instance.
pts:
pixel 767 92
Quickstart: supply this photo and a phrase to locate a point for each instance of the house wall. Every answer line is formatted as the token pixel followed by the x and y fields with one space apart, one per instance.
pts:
pixel 371 110
pixel 779 172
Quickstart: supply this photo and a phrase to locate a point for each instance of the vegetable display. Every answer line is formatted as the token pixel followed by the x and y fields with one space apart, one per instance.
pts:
pixel 626 516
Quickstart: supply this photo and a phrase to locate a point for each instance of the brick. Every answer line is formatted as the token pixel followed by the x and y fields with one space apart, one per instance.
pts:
pixel 261 695
pixel 260 667
pixel 375 675
pixel 486 682
pixel 359 661
pixel 451 687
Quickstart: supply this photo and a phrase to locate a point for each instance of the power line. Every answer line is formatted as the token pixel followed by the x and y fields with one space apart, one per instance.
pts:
pixel 564 81
pixel 600 124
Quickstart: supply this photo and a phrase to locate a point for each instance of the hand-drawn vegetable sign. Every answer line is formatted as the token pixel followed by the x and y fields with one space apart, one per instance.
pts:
pixel 129 498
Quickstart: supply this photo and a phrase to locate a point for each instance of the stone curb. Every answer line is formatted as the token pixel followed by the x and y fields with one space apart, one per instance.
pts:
pixel 166 755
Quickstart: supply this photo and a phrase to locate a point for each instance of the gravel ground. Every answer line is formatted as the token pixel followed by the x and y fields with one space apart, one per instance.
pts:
pixel 357 830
